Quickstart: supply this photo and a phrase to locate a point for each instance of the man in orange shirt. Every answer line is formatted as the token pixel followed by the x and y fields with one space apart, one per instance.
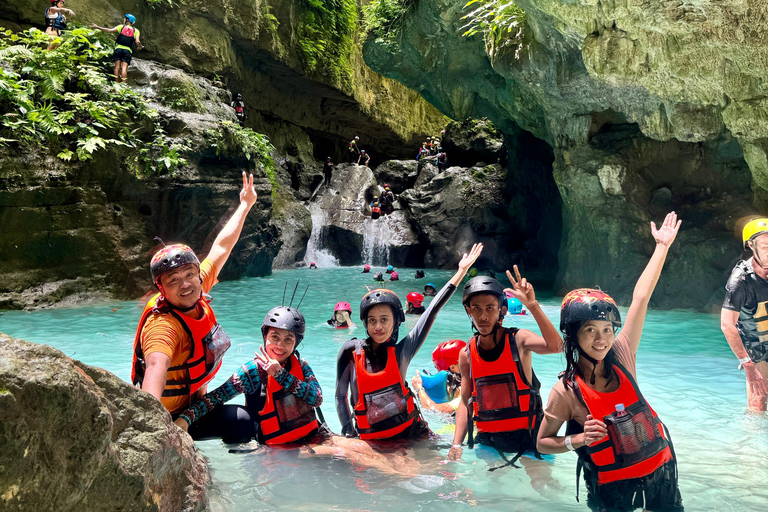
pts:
pixel 179 345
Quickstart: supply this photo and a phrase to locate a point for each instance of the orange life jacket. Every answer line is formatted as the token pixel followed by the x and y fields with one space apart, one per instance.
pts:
pixel 502 398
pixel 209 342
pixel 285 417
pixel 636 444
pixel 385 405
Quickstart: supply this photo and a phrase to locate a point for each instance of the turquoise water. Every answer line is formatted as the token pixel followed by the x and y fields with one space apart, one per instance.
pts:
pixel 685 369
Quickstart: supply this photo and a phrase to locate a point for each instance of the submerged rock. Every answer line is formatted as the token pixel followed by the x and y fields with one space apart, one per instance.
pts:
pixel 75 437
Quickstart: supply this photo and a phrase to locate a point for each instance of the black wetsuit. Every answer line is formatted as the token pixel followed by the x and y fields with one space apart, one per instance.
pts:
pixel 328 172
pixel 405 350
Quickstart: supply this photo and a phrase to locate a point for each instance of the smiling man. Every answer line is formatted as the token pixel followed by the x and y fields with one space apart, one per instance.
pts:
pixel 179 344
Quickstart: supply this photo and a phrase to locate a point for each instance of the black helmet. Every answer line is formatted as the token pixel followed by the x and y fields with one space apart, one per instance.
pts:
pixel 382 296
pixel 169 258
pixel 284 317
pixel 482 284
pixel 239 96
pixel 586 304
pixel 419 274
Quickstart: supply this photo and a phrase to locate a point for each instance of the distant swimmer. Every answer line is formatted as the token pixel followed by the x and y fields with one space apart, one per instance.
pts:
pixel 430 290
pixel 313 265
pixel 366 268
pixel 378 276
pixel 341 318
pixel 441 392
pixel 414 303
pixel 390 269
pixel 744 316
pixel 419 274
pixel 394 276
pixel 127 37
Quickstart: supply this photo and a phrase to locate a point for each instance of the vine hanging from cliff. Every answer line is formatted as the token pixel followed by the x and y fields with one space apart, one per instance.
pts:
pixel 501 23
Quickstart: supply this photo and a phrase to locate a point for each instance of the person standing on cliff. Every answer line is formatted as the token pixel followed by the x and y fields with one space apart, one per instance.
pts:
pixel 127 35
pixel 55 21
pixel 364 158
pixel 239 106
pixel 744 316
pixel 354 151
pixel 179 344
pixel 328 171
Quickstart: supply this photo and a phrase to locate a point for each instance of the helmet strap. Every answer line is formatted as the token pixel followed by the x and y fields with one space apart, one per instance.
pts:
pixel 756 256
pixel 591 360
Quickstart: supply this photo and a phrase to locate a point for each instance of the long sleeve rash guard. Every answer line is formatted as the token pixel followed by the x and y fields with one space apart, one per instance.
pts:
pixel 248 379
pixel 405 350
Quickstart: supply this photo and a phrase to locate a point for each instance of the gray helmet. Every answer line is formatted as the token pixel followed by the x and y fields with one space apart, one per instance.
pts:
pixel 382 296
pixel 482 284
pixel 284 317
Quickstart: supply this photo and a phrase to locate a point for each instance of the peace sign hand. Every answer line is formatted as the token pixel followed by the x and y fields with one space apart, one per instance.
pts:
pixel 248 193
pixel 521 289
pixel 271 366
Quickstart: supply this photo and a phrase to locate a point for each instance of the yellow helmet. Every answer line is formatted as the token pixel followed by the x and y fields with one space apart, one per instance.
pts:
pixel 754 228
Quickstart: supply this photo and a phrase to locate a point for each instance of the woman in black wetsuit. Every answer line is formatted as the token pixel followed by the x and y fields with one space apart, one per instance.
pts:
pixel 374 370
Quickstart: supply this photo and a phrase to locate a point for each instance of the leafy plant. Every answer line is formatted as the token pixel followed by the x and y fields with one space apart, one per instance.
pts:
pixel 384 19
pixel 501 23
pixel 234 140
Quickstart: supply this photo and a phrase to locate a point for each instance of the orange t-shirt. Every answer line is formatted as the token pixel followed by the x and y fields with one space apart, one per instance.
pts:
pixel 163 333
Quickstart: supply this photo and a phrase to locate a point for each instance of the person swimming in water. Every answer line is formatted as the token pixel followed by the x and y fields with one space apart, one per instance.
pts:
pixel 394 276
pixel 390 269
pixel 372 372
pixel 419 274
pixel 743 318
pixel 414 304
pixel 442 391
pixel 366 269
pixel 499 389
pixel 430 290
pixel 313 265
pixel 341 316
pixel 378 276
pixel 623 447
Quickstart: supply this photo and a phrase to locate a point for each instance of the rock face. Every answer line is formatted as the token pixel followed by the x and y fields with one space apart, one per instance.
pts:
pixel 78 437
pixel 680 81
pixel 474 141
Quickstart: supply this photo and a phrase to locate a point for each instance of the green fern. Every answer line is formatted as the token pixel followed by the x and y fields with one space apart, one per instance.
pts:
pixel 501 22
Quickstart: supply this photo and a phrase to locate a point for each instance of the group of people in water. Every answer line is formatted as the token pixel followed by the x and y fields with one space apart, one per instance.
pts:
pixel 488 382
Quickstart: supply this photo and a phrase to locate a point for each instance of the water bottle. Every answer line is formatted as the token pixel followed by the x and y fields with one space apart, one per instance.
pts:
pixel 626 438
pixel 620 411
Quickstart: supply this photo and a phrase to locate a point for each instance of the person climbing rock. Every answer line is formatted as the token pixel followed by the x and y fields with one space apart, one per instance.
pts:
pixel 127 36
pixel 239 105
pixel 341 316
pixel 624 449
pixel 372 372
pixel 364 158
pixel 328 171
pixel 414 303
pixel 179 345
pixel 499 389
pixel 387 200
pixel 55 21
pixel 354 151
pixel 430 290
pixel 375 208
pixel 744 316
pixel 442 160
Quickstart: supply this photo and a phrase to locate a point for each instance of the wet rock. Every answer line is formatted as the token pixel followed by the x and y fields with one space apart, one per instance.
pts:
pixel 75 437
pixel 399 174
pixel 474 142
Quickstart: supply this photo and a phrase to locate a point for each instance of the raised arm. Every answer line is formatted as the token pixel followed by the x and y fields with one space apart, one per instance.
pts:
pixel 550 341
pixel 229 235
pixel 664 236
pixel 103 29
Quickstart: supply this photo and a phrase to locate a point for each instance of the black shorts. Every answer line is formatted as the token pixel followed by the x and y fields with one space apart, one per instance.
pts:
pixel 122 55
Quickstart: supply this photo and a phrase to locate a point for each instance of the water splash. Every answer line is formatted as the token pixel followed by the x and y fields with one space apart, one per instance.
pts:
pixel 315 251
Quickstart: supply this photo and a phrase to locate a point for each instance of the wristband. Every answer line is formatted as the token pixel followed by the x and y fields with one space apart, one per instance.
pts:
pixel 745 360
pixel 456 446
pixel 569 444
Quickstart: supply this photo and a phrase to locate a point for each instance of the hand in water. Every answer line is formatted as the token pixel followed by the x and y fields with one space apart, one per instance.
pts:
pixel 248 194
pixel 454 453
pixel 182 424
pixel 666 234
pixel 470 258
pixel 756 382
pixel 271 366
pixel 521 289
pixel 594 430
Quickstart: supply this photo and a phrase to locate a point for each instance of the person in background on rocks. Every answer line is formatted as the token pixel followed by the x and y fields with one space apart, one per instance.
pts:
pixel 499 389
pixel 328 171
pixel 419 274
pixel 375 208
pixel 179 344
pixel 394 276
pixel 430 290
pixel 442 160
pixel 354 151
pixel 127 36
pixel 441 392
pixel 366 268
pixel 378 276
pixel 364 158
pixel 374 370
pixel 744 316
pixel 312 265
pixel 239 105
pixel 622 445
pixel 341 316
pixel 388 200
pixel 55 21
pixel 423 152
pixel 414 303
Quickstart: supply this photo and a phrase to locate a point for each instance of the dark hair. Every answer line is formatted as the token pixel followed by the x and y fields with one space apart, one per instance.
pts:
pixel 572 353
pixel 454 382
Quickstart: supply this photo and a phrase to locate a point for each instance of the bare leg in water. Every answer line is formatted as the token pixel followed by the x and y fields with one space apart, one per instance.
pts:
pixel 361 453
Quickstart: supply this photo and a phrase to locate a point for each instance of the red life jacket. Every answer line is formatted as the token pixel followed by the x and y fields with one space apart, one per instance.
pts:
pixel 636 444
pixel 375 212
pixel 385 405
pixel 209 342
pixel 239 107
pixel 285 417
pixel 502 398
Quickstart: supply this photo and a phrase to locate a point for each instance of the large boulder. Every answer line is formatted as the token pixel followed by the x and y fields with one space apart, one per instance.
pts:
pixel 74 437
pixel 474 142
pixel 398 174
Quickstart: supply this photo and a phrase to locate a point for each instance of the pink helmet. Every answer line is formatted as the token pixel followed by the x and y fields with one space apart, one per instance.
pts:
pixel 343 306
pixel 367 267
pixel 394 277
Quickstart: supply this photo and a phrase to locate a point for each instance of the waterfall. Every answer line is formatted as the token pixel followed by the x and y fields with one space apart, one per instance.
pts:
pixel 375 246
pixel 315 251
